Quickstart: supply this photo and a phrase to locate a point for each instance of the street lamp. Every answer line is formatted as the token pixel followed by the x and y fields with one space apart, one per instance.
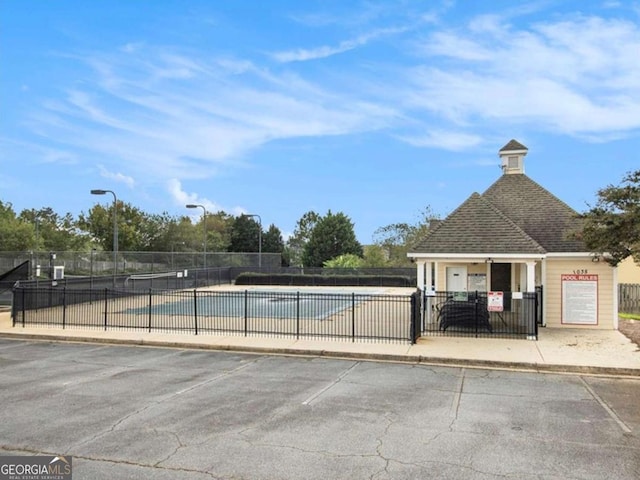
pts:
pixel 204 227
pixel 115 229
pixel 259 236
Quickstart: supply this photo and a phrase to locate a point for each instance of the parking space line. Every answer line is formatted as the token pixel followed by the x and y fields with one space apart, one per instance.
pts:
pixel 455 404
pixel 324 389
pixel 606 407
pixel 220 375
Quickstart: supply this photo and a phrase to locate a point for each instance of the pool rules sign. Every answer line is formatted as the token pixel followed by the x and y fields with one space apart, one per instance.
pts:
pixel 580 299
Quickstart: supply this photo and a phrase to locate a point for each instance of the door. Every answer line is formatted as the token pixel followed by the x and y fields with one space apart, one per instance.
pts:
pixel 456 279
pixel 501 281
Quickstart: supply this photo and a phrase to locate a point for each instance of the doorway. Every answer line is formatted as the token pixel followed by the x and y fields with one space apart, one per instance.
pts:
pixel 456 279
pixel 501 281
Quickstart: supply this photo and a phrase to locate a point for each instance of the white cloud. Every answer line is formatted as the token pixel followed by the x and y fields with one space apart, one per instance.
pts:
pixel 301 55
pixel 182 198
pixel 116 177
pixel 446 140
pixel 580 76
pixel 171 116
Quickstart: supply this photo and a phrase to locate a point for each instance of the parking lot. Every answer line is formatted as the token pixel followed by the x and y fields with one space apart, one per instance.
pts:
pixel 154 413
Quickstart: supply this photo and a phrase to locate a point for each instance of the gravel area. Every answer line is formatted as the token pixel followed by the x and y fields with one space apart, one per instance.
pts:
pixel 631 329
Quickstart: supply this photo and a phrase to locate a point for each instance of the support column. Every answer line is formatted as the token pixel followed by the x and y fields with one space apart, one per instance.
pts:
pixel 420 267
pixel 531 276
pixel 429 276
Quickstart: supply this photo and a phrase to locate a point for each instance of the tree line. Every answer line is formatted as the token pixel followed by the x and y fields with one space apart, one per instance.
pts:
pixel 317 240
pixel 611 228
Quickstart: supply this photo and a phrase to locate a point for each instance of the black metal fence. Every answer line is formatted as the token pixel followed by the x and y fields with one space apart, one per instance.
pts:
pixel 629 298
pixel 282 313
pixel 474 314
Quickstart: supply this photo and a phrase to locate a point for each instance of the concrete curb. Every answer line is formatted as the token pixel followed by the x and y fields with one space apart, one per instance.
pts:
pixel 305 352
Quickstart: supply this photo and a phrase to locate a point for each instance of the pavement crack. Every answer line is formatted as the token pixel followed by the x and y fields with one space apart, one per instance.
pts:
pixel 455 404
pixel 385 469
pixel 180 445
pixel 118 462
pixel 153 403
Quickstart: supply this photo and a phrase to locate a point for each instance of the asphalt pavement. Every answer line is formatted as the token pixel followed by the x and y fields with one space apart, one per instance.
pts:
pixel 172 413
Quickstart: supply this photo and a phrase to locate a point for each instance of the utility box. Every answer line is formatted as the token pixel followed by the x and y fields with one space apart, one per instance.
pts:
pixel 58 272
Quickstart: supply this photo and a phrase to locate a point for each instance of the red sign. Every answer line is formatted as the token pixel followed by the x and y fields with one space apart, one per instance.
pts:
pixel 495 301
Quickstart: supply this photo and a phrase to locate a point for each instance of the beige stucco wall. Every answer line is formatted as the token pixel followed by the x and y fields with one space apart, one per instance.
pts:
pixel 628 271
pixel 555 268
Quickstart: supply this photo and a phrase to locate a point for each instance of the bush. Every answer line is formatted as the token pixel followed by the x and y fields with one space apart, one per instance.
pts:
pixel 324 280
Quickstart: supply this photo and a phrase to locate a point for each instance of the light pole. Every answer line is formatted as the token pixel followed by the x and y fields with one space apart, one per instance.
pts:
pixel 115 230
pixel 259 236
pixel 204 227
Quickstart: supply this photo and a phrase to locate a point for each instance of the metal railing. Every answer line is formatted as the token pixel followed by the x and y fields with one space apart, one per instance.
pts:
pixel 470 314
pixel 283 313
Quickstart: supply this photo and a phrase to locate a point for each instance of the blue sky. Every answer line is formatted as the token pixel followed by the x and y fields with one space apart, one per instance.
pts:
pixel 373 108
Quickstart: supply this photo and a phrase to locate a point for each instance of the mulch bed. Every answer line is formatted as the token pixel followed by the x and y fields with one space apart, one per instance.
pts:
pixel 631 329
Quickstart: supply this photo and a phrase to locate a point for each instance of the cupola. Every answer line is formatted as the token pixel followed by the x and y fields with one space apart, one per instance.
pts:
pixel 512 156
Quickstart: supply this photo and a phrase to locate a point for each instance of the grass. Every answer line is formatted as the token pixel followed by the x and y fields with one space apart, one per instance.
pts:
pixel 629 316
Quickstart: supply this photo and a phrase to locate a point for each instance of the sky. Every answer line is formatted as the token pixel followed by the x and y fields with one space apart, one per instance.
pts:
pixel 378 109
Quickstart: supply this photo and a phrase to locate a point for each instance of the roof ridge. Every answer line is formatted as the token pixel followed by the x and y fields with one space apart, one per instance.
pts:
pixel 539 187
pixel 444 220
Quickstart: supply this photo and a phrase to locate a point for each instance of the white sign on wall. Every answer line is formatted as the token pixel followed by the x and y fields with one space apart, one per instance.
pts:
pixel 580 299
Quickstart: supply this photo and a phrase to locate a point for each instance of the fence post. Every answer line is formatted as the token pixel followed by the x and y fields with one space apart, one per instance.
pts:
pixel 64 306
pixel 195 310
pixel 246 306
pixel 353 317
pixel 298 315
pixel 150 310
pixel 535 316
pixel 413 320
pixel 106 307
pixel 476 312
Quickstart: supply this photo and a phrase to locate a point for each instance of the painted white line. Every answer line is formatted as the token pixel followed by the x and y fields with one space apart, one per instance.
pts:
pixel 337 380
pixel 215 378
pixel 455 404
pixel 604 405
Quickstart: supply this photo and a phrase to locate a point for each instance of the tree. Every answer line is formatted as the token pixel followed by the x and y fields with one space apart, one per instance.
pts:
pixel 134 229
pixel 245 234
pixel 612 227
pixel 300 237
pixel 375 257
pixel 15 234
pixel 219 228
pixel 332 236
pixel 272 240
pixel 347 260
pixel 398 238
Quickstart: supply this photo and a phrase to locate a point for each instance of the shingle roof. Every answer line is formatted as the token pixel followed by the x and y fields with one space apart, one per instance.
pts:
pixel 513 145
pixel 514 215
pixel 545 217
pixel 477 227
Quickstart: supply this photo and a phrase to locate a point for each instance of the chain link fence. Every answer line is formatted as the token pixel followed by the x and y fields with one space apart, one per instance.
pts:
pixel 98 263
